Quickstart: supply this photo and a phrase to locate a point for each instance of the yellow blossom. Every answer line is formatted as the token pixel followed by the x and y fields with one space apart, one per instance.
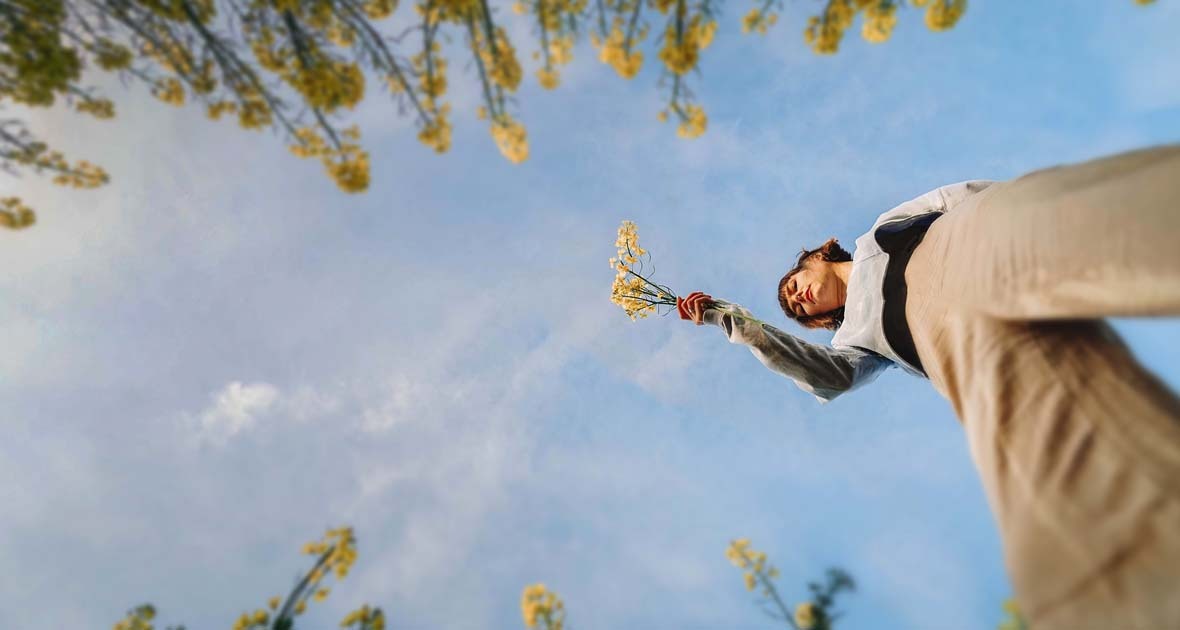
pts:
pixel 625 60
pixel 274 602
pixel 879 20
pixel 436 134
pixel 170 91
pixel 98 107
pixel 693 123
pixel 350 170
pixel 539 604
pixel 300 607
pixel 943 14
pixel 548 78
pixel 805 616
pixel 379 9
pixel 635 295
pixel 512 140
pixel 254 112
pixel 111 56
pixel 14 214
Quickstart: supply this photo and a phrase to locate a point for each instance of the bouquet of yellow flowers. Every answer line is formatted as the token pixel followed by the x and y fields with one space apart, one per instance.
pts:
pixel 633 288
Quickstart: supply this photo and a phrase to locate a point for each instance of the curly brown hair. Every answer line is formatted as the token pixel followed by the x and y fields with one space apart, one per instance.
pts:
pixel 830 251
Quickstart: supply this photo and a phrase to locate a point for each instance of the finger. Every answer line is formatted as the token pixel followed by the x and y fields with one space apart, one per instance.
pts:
pixel 682 308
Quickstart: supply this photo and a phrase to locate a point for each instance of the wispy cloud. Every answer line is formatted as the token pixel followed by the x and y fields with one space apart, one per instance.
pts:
pixel 234 409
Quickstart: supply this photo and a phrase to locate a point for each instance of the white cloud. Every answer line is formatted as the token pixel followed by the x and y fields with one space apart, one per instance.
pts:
pixel 235 408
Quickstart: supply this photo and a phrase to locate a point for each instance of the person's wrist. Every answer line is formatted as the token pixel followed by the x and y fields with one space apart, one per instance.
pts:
pixel 712 314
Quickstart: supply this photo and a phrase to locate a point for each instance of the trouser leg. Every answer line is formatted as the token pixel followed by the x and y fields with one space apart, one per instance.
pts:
pixel 1078 449
pixel 1096 239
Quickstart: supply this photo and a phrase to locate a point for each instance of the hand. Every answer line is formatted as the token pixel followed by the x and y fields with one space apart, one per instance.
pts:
pixel 693 307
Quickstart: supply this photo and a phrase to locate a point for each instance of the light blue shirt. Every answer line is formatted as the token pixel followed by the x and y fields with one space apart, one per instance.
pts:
pixel 859 350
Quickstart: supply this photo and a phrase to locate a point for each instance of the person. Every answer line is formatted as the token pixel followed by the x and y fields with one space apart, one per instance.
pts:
pixel 996 293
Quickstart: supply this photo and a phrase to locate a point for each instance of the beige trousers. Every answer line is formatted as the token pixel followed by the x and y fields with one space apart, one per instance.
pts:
pixel 1077 445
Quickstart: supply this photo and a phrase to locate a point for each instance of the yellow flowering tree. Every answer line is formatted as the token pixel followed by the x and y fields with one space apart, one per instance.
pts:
pixel 817 613
pixel 300 66
pixel 335 554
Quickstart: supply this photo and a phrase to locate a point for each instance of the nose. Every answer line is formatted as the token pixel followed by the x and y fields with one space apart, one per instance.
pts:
pixel 801 295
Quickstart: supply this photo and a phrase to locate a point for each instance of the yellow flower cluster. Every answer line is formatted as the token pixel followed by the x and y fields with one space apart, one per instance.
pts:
pixel 680 55
pixel 693 122
pixel 511 138
pixel 560 52
pixel 548 78
pixel 269 57
pixel 138 619
pixel 248 621
pixel 346 163
pixel 431 69
pixel 110 55
pixel 170 91
pixel 217 109
pixel 37 61
pixel 806 615
pixel 879 20
pixel 637 296
pixel 172 56
pixel 365 618
pixel 14 214
pixel 752 562
pixel 98 107
pixel 436 133
pixel 942 14
pixel 824 33
pixel 340 547
pixel 37 155
pixel 452 10
pixel 379 9
pixel 329 83
pixel 254 112
pixel 342 35
pixel 539 604
pixel 204 10
pixel 432 73
pixel 758 21
pixel 82 175
pixel 502 66
pixel 624 59
pixel 203 82
pixel 561 49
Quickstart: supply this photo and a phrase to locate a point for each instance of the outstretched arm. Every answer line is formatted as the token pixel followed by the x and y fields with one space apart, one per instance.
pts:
pixel 822 371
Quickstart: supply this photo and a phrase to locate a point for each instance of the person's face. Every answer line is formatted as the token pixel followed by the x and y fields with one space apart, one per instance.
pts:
pixel 814 289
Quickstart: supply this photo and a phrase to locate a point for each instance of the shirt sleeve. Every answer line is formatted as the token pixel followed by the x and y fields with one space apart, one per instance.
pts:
pixel 940 199
pixel 822 371
pixel 952 195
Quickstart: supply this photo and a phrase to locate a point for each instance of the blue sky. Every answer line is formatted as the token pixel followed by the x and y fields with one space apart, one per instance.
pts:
pixel 217 356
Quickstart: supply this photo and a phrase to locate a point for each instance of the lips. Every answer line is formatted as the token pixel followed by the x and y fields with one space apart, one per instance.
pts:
pixel 809 298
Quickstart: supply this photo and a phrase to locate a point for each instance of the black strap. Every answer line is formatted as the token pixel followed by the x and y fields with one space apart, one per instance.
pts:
pixel 899 240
